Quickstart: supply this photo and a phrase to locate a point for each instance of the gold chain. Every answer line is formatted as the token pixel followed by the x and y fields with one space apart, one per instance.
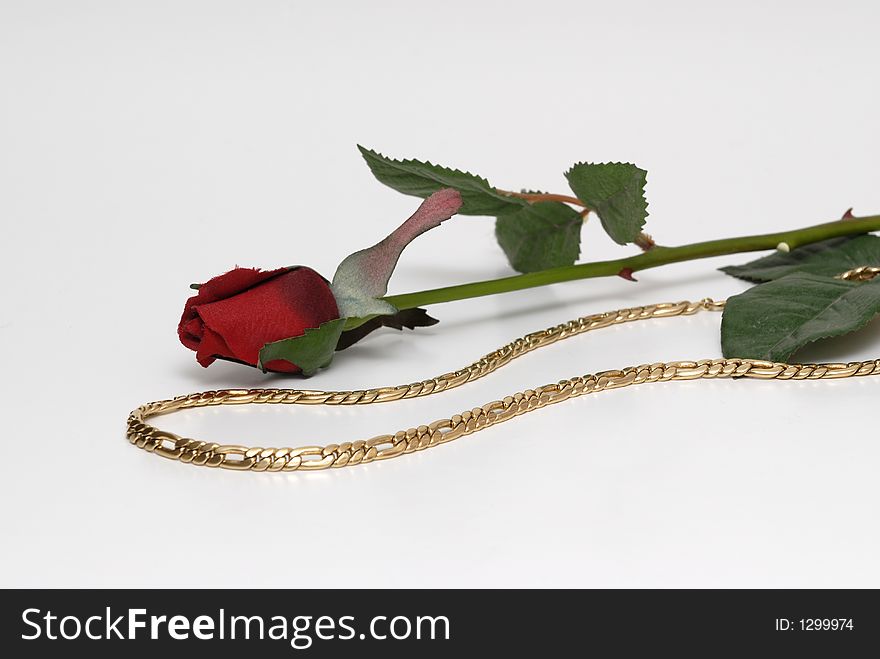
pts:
pixel 383 447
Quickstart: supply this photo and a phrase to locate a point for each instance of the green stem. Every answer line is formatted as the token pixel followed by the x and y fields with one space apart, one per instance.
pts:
pixel 651 259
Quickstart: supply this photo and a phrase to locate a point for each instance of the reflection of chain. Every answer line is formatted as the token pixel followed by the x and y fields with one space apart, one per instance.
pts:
pixel 209 454
pixel 862 273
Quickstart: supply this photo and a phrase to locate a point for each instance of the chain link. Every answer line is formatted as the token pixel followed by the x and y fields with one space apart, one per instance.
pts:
pixel 441 431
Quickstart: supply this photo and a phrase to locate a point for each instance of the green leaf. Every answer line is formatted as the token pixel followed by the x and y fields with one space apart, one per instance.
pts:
pixel 543 235
pixel 310 351
pixel 616 191
pixel 773 320
pixel 409 318
pixel 829 257
pixel 421 179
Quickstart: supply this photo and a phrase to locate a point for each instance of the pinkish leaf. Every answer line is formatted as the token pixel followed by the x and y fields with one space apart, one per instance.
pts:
pixel 363 277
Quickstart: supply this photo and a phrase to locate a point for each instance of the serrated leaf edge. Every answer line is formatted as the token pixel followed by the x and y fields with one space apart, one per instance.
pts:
pixel 412 161
pixel 615 162
pixel 489 188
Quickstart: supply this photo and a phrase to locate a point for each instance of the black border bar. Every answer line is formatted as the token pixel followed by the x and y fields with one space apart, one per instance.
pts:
pixel 338 622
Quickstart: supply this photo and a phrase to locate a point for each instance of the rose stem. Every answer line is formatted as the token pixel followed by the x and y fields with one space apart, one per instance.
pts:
pixel 543 196
pixel 654 257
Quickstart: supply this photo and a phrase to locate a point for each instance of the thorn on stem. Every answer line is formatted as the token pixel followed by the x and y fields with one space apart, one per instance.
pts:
pixel 848 215
pixel 627 273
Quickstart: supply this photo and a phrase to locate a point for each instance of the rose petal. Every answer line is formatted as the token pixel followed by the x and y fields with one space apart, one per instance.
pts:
pixel 233 282
pixel 279 308
pixel 211 346
pixel 217 288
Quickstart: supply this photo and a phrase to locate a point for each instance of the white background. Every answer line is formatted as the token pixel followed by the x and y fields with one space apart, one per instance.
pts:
pixel 144 146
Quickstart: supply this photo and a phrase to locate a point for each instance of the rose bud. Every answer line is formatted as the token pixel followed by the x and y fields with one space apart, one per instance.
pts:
pixel 235 314
pixel 292 320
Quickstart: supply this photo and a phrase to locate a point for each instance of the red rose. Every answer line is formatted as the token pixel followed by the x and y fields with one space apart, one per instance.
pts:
pixel 236 314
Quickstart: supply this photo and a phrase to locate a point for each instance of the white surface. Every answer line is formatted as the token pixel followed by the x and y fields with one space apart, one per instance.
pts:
pixel 147 145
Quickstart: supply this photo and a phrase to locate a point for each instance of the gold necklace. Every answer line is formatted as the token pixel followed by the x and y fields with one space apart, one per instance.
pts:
pixel 441 431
